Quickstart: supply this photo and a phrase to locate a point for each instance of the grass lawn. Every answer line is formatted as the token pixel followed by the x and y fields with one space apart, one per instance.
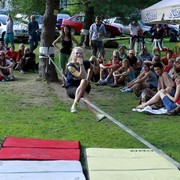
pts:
pixel 32 109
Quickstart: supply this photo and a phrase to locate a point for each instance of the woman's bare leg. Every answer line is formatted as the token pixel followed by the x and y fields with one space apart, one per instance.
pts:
pixel 153 100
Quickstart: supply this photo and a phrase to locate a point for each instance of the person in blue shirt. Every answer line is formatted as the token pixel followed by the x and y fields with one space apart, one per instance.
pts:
pixel 96 33
pixel 33 30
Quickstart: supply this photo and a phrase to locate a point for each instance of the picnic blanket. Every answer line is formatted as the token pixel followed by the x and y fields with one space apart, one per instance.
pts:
pixel 149 110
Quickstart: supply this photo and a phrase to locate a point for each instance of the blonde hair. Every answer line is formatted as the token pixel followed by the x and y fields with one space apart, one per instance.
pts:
pixel 127 61
pixel 116 52
pixel 73 54
pixel 93 58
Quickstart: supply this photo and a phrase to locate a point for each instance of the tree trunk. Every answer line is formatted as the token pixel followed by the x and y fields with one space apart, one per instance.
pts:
pixel 47 70
pixel 89 19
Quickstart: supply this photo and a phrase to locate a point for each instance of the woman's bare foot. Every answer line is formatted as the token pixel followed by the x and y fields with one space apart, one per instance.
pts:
pixel 140 106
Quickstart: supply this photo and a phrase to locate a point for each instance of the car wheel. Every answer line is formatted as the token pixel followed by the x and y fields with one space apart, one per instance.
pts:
pixel 109 34
pixel 73 31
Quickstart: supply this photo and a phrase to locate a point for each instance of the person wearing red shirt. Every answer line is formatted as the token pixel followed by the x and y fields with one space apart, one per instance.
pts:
pixel 12 55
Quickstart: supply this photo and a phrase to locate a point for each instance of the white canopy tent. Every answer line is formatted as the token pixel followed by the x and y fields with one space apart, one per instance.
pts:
pixel 163 12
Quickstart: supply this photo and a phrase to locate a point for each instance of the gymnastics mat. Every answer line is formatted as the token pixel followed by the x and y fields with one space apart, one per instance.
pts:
pixel 41 170
pixel 39 154
pixel 40 143
pixel 128 164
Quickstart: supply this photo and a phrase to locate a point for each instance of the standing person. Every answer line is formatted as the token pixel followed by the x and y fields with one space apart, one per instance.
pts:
pixel 134 36
pixel 158 39
pixel 9 36
pixel 96 32
pixel 78 80
pixel 33 30
pixel 66 39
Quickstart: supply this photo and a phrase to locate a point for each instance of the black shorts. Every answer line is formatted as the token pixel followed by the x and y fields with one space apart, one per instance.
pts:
pixel 71 90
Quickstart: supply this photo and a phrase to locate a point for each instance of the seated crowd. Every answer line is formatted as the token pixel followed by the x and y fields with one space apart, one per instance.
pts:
pixel 146 74
pixel 10 59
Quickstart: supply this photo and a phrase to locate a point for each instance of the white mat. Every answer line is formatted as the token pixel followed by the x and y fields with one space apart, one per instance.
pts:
pixel 41 170
pixel 39 166
pixel 43 176
pixel 149 110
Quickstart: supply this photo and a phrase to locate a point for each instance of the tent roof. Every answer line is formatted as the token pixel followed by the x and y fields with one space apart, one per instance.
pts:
pixel 164 3
pixel 163 12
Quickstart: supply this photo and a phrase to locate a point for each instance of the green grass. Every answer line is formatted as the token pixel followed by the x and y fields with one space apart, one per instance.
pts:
pixel 42 115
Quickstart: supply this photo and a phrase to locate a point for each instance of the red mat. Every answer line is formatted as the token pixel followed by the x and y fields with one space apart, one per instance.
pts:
pixel 40 143
pixel 39 154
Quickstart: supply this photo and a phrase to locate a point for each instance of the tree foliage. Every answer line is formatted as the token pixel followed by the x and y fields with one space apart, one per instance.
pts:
pixel 28 7
pixel 108 8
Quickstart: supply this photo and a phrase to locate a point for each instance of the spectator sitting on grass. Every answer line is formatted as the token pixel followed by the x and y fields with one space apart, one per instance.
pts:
pixel 2 46
pixel 176 65
pixel 133 61
pixel 164 82
pixel 146 79
pixel 6 67
pixel 124 74
pixel 96 68
pixel 169 55
pixel 169 68
pixel 28 61
pixel 12 55
pixel 106 70
pixel 100 58
pixel 122 51
pixel 169 101
pixel 20 52
pixel 144 56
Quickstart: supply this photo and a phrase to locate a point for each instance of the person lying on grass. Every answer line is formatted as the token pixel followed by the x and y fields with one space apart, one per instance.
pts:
pixel 169 101
pixel 79 73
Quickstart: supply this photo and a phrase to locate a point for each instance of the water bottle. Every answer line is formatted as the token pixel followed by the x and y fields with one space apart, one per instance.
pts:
pixel 143 97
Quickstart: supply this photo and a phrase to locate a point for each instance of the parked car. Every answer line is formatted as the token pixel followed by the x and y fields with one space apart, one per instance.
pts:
pixel 76 23
pixel 3 11
pixel 174 29
pixel 20 29
pixel 116 21
pixel 60 17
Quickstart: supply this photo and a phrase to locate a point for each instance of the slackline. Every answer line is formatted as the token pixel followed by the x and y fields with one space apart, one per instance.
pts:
pixel 139 138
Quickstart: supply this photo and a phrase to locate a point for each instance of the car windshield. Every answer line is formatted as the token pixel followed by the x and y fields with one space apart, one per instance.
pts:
pixel 117 20
pixel 61 16
pixel 3 19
